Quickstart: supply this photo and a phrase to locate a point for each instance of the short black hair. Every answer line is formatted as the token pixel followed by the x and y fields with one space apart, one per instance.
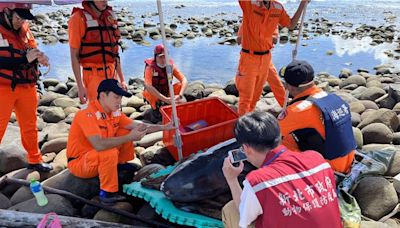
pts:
pixel 259 130
pixel 98 94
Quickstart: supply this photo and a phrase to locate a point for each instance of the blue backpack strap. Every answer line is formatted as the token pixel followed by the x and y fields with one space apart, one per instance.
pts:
pixel 339 138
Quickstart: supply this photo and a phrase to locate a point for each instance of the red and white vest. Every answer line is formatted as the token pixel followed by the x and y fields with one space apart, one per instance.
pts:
pixel 160 77
pixel 295 190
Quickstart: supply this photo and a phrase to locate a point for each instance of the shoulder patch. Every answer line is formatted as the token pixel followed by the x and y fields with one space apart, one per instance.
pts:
pixel 98 115
pixel 320 95
pixel 303 105
pixel 116 113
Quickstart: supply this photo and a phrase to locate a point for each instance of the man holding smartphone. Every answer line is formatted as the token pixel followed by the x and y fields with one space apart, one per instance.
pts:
pixel 101 139
pixel 289 189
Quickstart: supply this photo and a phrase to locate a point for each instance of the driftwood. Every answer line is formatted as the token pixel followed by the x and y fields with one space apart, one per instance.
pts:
pixel 25 219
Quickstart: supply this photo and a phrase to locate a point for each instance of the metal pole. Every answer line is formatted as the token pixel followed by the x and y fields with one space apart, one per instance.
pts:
pixel 294 52
pixel 178 140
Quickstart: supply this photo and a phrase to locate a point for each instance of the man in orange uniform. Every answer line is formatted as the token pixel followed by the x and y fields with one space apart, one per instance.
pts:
pixel 273 78
pixel 101 139
pixel 156 81
pixel 19 59
pixel 94 39
pixel 316 120
pixel 260 19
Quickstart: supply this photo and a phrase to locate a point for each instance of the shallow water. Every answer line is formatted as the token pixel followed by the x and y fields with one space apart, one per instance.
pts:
pixel 204 59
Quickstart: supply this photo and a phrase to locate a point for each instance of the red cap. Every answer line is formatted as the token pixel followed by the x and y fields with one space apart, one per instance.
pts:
pixel 159 50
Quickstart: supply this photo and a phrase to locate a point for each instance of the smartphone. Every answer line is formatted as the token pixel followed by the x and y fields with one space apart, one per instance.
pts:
pixel 237 155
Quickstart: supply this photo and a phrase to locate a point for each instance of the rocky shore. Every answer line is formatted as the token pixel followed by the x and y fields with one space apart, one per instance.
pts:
pixel 374 99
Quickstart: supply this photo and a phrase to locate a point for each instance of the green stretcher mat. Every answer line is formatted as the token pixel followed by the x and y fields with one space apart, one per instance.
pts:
pixel 165 208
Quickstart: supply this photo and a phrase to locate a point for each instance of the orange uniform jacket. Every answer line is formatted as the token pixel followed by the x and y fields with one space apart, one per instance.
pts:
pixel 83 160
pixel 93 121
pixel 304 114
pixel 260 23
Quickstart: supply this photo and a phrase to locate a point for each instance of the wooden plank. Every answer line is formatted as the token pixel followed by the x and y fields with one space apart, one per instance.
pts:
pixel 24 219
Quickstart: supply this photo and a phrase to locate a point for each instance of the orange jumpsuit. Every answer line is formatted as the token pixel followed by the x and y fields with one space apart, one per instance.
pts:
pixel 84 160
pixel 258 26
pixel 148 80
pixel 304 114
pixel 273 78
pixel 93 72
pixel 23 99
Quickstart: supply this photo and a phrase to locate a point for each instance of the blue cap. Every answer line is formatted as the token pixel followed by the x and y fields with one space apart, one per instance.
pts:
pixel 112 85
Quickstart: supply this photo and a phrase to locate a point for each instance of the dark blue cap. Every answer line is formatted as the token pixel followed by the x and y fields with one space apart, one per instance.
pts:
pixel 298 73
pixel 112 85
pixel 24 13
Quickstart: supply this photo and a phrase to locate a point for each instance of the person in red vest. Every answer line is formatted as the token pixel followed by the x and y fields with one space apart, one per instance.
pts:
pixel 19 59
pixel 93 39
pixel 289 189
pixel 156 82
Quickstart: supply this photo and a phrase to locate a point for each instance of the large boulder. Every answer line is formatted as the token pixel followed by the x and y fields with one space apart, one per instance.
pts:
pixel 194 91
pixel 394 167
pixel 385 116
pixel 345 73
pixel 48 98
pixel 50 82
pixel 231 89
pixel 394 92
pixel 150 139
pixel 355 119
pixel 377 133
pixel 12 157
pixel 61 158
pixel 53 115
pixel 396 108
pixel 348 98
pixel 376 197
pixel 86 188
pixel 61 88
pixel 107 216
pixel 358 136
pixel 64 102
pixel 369 104
pixel 5 202
pixel 21 195
pixel 354 79
pixel 55 145
pixel 56 203
pixel 358 91
pixel 135 102
pixel 372 94
pixel 357 107
pixel 387 102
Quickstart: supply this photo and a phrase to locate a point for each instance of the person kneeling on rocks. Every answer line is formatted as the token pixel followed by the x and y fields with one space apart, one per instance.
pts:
pixel 156 81
pixel 101 139
pixel 288 189
pixel 316 120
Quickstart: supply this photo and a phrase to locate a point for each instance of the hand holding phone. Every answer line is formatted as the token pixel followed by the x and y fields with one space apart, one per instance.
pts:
pixel 236 156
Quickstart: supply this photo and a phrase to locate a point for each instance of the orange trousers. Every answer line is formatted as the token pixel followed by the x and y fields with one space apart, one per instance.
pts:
pixel 153 100
pixel 276 85
pixel 23 100
pixel 92 79
pixel 103 164
pixel 250 79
